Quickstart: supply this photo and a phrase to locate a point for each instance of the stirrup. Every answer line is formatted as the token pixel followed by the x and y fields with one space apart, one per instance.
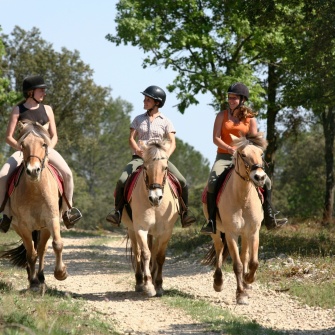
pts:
pixel 71 216
pixel 208 228
pixel 114 218
pixel 187 220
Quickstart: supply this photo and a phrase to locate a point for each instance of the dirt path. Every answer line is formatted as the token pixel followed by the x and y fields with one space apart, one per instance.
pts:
pixel 101 275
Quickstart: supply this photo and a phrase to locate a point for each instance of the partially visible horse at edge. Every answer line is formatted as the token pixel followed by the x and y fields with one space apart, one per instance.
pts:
pixel 239 214
pixel 154 212
pixel 34 206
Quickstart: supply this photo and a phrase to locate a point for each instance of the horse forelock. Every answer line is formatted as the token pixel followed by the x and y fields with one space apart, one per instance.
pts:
pixel 155 150
pixel 36 129
pixel 257 140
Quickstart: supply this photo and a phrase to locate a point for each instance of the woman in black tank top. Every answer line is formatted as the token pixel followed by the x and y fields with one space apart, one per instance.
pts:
pixel 32 109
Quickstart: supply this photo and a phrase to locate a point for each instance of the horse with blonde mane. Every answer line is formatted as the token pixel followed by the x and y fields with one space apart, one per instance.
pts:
pixel 154 210
pixel 34 206
pixel 239 214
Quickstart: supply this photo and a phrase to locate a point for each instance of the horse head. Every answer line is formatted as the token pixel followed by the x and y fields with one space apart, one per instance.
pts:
pixel 249 158
pixel 34 140
pixel 155 168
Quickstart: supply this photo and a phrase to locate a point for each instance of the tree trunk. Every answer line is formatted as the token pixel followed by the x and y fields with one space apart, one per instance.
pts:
pixel 272 110
pixel 328 123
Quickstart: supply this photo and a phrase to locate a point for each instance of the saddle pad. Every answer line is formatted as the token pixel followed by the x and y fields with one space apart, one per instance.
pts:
pixel 260 191
pixel 133 178
pixel 14 179
pixel 57 175
pixel 204 193
pixel 130 184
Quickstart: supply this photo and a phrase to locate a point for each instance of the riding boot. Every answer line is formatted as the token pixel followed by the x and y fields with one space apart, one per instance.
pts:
pixel 210 228
pixel 114 217
pixel 186 220
pixel 71 216
pixel 5 223
pixel 270 220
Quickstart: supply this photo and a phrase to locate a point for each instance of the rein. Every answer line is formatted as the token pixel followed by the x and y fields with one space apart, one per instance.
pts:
pixel 248 169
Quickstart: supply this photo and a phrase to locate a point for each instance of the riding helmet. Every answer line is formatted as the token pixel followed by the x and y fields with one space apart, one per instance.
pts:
pixel 32 82
pixel 155 93
pixel 239 89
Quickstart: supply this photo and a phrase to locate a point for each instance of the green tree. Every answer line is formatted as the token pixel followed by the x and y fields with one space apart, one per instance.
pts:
pixel 301 174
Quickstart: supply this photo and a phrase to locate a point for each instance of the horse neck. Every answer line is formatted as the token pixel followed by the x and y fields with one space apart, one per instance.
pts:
pixel 239 187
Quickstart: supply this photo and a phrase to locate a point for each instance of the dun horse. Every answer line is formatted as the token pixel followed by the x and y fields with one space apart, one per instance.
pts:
pixel 154 213
pixel 34 206
pixel 240 214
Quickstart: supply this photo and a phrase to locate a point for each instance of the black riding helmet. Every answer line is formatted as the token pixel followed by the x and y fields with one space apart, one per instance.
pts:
pixel 239 89
pixel 31 83
pixel 155 93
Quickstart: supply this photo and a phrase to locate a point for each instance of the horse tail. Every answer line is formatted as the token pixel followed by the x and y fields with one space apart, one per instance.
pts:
pixel 18 256
pixel 210 257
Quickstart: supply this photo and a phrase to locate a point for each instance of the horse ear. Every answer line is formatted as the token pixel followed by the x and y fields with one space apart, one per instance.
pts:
pixel 20 125
pixel 233 137
pixel 46 126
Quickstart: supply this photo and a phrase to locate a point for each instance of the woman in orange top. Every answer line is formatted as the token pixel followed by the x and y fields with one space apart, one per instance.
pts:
pixel 237 120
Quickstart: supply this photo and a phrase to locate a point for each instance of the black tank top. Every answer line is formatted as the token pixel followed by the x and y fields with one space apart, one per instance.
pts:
pixel 39 115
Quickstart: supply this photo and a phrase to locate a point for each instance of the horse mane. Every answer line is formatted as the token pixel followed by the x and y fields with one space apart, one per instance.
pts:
pixel 155 150
pixel 257 140
pixel 35 128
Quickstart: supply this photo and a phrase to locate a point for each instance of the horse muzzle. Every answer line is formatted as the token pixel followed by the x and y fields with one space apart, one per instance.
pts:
pixel 258 177
pixel 34 173
pixel 155 196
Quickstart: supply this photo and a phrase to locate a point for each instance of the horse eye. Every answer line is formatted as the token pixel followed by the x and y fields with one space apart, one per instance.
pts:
pixel 244 155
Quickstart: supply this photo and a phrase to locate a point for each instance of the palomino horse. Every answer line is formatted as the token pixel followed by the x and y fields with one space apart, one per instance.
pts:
pixel 154 212
pixel 240 214
pixel 34 206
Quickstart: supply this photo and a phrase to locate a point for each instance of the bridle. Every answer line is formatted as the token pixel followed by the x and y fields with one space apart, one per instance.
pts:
pixel 247 166
pixel 42 160
pixel 154 185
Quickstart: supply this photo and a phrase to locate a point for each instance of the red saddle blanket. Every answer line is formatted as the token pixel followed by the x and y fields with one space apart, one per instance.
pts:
pixel 222 187
pixel 14 179
pixel 133 178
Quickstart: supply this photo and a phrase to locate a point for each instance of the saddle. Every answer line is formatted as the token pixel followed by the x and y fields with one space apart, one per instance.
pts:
pixel 131 182
pixel 221 184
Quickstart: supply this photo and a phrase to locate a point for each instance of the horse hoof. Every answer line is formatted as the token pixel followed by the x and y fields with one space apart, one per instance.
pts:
pixel 61 275
pixel 242 299
pixel 139 288
pixel 150 291
pixel 159 292
pixel 218 288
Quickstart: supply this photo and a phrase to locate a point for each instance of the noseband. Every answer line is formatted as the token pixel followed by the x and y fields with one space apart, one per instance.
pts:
pixel 248 168
pixel 42 160
pixel 154 185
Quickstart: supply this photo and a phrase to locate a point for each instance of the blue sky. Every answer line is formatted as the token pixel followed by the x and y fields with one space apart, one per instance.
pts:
pixel 83 25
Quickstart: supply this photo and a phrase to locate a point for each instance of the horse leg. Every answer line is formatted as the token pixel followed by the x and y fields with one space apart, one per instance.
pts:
pixel 148 287
pixel 219 246
pixel 41 251
pixel 31 259
pixel 245 259
pixel 159 261
pixel 137 257
pixel 250 276
pixel 60 272
pixel 241 294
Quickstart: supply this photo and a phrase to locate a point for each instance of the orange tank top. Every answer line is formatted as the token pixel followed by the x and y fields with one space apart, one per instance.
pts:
pixel 229 127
